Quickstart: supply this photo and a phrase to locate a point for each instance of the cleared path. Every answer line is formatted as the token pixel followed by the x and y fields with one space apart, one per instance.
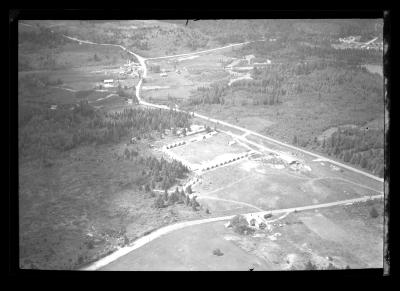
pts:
pixel 146 239
pixel 173 227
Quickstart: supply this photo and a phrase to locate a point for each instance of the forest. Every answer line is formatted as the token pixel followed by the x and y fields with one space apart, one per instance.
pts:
pixel 364 148
pixel 316 75
pixel 155 173
pixel 270 85
pixel 43 131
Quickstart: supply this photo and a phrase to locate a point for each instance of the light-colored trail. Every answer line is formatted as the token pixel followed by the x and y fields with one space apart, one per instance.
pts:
pixel 162 231
pixel 347 181
pixel 288 146
pixel 200 52
pixel 228 200
pixel 63 88
pixel 227 186
pixel 173 227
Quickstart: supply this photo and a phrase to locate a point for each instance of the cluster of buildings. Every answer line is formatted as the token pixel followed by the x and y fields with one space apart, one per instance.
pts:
pixel 130 69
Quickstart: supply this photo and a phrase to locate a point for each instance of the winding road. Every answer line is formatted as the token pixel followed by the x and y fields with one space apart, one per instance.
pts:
pixel 173 227
pixel 164 230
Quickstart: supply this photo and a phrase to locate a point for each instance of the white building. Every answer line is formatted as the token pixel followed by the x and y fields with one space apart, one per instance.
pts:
pixel 108 81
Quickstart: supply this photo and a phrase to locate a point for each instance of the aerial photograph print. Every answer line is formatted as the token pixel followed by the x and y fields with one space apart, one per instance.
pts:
pixel 202 145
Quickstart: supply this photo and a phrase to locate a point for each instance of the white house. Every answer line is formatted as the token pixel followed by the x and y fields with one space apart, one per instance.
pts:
pixel 108 81
pixel 163 74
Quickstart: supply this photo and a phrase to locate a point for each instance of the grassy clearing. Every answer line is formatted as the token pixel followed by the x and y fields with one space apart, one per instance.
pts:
pixel 322 167
pixel 148 37
pixel 268 188
pixel 342 236
pixel 69 55
pixel 208 149
pixel 186 250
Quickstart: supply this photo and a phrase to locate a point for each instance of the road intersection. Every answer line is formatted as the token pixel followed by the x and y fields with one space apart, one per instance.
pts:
pixel 164 230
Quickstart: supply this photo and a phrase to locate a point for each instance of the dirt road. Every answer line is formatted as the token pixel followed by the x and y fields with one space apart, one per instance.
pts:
pixel 173 227
pixel 200 52
pixel 162 231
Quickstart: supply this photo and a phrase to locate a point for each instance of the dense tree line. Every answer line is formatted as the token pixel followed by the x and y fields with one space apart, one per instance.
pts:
pixel 364 148
pixel 271 84
pixel 42 130
pixel 297 47
pixel 340 57
pixel 159 174
pixel 177 197
pixel 265 92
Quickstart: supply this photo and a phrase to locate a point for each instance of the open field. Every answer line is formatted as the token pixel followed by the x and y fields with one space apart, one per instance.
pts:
pixel 342 236
pixel 147 37
pixel 58 95
pixel 375 69
pixel 67 55
pixel 187 250
pixel 269 188
pixel 102 189
pixel 194 72
pixel 178 87
pixel 322 167
pixel 205 151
